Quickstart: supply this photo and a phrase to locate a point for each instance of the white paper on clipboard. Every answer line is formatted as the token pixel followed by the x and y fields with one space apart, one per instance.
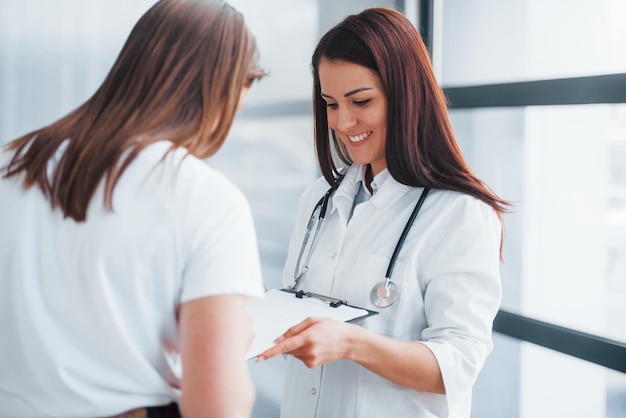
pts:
pixel 279 310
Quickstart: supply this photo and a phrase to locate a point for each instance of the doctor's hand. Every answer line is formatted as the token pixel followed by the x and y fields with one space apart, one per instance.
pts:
pixel 315 341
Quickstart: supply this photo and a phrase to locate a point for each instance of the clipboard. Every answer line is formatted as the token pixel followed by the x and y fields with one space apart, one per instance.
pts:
pixel 281 309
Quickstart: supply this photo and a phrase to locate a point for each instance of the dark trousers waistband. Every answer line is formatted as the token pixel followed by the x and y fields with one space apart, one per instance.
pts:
pixel 163 411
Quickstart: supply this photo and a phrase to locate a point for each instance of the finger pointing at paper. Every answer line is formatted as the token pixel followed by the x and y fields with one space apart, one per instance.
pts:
pixel 316 341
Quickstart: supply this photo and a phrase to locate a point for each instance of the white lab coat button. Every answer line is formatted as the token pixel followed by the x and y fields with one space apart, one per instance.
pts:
pixel 313 391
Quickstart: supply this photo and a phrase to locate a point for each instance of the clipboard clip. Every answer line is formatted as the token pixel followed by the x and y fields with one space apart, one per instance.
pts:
pixel 333 302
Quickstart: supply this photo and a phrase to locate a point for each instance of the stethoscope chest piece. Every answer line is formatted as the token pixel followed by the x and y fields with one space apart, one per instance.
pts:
pixel 384 294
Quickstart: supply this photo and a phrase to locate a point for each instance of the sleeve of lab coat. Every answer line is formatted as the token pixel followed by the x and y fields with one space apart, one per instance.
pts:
pixel 462 296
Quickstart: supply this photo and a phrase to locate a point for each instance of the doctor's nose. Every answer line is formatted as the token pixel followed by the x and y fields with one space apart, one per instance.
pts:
pixel 345 120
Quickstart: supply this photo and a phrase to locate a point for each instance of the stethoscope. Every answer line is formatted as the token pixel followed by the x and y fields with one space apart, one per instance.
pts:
pixel 384 293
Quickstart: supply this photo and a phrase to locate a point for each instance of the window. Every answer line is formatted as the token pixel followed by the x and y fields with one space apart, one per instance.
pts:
pixel 509 71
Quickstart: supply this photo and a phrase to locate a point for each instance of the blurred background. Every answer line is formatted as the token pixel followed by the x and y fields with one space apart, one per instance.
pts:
pixel 536 90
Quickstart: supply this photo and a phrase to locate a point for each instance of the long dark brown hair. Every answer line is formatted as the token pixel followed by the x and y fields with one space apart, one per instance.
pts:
pixel 178 77
pixel 421 150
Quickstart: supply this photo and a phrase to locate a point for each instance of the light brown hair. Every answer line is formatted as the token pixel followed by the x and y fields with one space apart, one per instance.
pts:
pixel 178 77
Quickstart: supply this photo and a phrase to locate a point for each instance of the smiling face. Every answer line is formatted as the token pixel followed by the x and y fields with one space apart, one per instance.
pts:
pixel 356 107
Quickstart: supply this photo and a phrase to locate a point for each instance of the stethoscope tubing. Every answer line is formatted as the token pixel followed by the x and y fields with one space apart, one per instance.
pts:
pixel 405 232
pixel 387 284
pixel 323 205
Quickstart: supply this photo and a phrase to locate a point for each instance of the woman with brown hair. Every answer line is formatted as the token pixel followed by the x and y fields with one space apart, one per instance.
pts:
pixel 124 256
pixel 404 228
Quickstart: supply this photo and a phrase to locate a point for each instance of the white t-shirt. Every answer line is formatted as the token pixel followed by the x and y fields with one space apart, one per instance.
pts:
pixel 88 310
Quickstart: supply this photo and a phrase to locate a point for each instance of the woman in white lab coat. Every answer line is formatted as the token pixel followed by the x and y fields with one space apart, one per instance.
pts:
pixel 375 91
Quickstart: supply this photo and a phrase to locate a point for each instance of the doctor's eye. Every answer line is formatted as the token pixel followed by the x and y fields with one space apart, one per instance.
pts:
pixel 331 105
pixel 362 102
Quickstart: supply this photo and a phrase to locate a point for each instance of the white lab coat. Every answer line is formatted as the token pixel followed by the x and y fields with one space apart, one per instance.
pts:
pixel 448 294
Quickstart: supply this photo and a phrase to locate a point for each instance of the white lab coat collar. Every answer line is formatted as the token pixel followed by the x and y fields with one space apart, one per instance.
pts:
pixel 378 180
pixel 389 190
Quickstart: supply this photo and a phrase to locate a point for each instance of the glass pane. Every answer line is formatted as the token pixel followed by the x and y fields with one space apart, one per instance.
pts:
pixel 565 239
pixel 272 160
pixel 286 33
pixel 493 41
pixel 523 380
pixel 54 55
